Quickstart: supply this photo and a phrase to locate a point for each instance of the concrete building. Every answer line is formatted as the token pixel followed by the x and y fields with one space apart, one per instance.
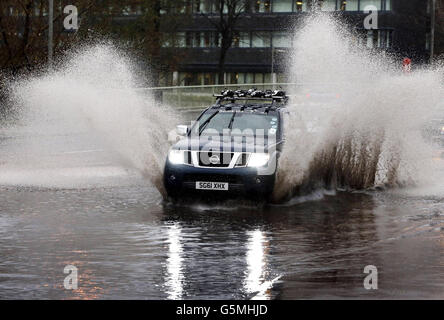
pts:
pixel 265 32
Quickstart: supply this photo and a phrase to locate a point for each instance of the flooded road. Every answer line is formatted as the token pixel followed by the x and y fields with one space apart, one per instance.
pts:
pixel 78 169
pixel 80 205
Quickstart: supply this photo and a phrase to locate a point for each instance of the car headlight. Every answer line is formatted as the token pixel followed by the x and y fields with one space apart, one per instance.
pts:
pixel 176 156
pixel 258 159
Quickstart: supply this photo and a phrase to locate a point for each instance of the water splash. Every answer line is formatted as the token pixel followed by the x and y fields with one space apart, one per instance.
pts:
pixel 94 89
pixel 368 132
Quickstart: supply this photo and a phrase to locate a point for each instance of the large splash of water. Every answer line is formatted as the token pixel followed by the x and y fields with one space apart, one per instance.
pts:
pixel 366 134
pixel 96 88
pixel 366 130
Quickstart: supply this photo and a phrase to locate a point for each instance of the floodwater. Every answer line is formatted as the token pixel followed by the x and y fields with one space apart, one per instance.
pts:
pixel 77 179
pixel 67 201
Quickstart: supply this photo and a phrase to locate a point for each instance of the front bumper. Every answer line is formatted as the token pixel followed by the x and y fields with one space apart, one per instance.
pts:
pixel 181 180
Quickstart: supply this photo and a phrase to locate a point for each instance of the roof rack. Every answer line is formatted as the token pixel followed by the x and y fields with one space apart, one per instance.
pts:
pixel 252 94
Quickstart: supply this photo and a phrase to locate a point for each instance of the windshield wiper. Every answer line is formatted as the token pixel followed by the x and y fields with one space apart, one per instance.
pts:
pixel 204 124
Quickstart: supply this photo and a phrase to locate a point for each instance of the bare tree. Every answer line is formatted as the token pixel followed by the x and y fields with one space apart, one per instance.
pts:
pixel 23 33
pixel 152 31
pixel 225 22
pixel 142 26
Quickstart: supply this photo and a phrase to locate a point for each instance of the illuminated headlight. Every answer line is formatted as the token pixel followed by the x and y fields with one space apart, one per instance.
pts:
pixel 176 156
pixel 258 159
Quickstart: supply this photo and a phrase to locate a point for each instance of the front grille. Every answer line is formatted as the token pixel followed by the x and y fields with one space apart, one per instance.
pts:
pixel 208 159
pixel 212 178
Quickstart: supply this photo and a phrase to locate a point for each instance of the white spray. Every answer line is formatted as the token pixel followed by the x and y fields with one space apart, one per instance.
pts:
pixel 368 133
pixel 96 88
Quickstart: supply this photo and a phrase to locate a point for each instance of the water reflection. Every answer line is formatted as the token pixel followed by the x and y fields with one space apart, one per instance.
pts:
pixel 127 248
pixel 175 277
pixel 257 247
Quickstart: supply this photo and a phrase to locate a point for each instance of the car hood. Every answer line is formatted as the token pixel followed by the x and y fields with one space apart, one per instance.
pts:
pixel 232 144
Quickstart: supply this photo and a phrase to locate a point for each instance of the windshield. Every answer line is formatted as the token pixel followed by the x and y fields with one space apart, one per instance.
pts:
pixel 239 122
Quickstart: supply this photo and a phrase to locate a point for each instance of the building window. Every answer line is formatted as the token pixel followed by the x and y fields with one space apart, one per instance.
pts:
pixel 367 3
pixel 196 78
pixel 204 6
pixel 210 78
pixel 189 39
pixel 203 39
pixel 184 7
pixel 389 39
pixel 225 7
pixel 327 5
pixel 379 39
pixel 282 5
pixel 236 40
pixel 215 39
pixel 195 39
pixel 180 40
pixel 188 78
pixel 166 79
pixel 211 39
pixel 349 5
pixel 263 6
pixel 267 6
pixel 370 39
pixel 300 5
pixel 281 40
pixel 232 78
pixel 203 79
pixel 166 43
pixel 282 78
pixel 244 40
pixel 138 9
pixel 385 38
pixel 240 78
pixel 242 6
pixel 126 11
pixel 261 40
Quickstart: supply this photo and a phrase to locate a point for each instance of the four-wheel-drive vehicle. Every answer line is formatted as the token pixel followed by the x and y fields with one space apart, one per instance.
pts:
pixel 232 149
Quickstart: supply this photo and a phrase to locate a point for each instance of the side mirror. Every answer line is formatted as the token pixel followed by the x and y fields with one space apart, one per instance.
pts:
pixel 182 130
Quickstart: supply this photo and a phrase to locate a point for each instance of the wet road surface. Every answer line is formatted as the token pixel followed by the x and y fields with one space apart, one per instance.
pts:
pixel 81 206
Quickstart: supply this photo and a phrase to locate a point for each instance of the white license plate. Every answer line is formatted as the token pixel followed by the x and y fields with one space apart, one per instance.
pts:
pixel 201 185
